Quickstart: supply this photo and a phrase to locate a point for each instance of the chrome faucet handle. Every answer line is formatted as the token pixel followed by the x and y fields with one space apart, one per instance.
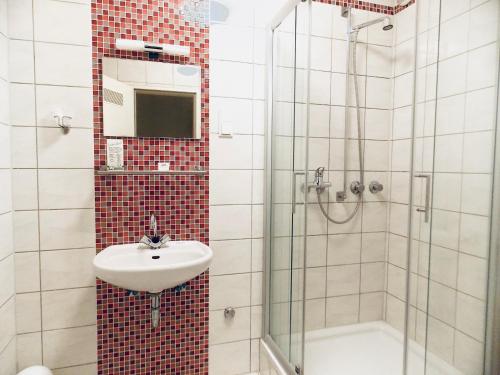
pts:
pixel 154 243
pixel 145 240
pixel 153 225
pixel 319 172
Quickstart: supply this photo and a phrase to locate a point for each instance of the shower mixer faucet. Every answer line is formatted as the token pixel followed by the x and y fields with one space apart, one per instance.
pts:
pixel 319 184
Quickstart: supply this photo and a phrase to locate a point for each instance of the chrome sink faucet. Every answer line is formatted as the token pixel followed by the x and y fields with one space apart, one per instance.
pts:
pixel 154 241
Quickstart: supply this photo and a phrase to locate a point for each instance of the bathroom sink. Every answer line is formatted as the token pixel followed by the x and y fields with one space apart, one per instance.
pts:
pixel 137 267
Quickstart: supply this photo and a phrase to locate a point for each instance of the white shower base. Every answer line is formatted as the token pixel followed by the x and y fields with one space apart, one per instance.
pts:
pixel 373 348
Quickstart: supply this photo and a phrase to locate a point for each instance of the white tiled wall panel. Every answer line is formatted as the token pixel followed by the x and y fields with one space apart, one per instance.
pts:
pixel 7 265
pixel 52 184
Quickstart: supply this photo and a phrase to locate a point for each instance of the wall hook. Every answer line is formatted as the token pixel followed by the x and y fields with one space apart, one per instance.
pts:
pixel 63 122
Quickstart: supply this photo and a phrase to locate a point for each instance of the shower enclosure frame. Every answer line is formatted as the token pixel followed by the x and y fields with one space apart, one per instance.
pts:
pixel 274 354
pixel 278 360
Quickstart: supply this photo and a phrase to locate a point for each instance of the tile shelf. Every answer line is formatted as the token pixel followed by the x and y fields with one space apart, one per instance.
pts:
pixel 124 172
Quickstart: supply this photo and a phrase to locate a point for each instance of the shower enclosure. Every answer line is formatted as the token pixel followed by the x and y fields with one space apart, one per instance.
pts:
pixel 381 226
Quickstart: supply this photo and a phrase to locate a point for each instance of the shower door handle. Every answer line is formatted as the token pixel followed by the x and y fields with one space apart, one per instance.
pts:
pixel 294 189
pixel 426 209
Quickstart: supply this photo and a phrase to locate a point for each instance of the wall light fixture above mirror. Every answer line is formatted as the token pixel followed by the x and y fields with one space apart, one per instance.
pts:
pixel 151 99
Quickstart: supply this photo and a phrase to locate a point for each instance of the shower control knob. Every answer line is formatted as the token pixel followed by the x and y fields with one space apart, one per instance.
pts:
pixel 375 187
pixel 357 187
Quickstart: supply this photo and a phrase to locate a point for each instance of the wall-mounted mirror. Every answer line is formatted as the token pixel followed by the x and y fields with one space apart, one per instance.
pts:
pixel 151 99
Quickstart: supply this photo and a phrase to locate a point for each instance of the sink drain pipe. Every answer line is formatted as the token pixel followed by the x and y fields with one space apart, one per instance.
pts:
pixel 155 308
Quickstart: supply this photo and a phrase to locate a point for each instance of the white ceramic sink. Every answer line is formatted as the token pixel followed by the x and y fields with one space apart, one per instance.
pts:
pixel 136 267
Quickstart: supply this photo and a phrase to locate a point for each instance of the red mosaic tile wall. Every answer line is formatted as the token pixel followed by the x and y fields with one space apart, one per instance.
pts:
pixel 365 5
pixel 126 343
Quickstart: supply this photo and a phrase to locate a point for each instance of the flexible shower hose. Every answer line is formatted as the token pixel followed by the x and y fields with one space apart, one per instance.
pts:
pixel 360 148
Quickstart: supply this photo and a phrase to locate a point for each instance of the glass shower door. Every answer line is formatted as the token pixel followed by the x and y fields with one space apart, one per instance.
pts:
pixel 287 176
pixel 455 122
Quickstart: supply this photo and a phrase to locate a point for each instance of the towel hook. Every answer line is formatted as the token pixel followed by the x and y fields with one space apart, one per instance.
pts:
pixel 63 122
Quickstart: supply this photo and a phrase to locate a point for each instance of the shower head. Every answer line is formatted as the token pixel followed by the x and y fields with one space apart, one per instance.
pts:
pixel 386 20
pixel 387 24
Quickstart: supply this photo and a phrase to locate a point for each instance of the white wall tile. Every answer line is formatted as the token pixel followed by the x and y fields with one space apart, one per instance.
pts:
pixel 471 313
pixel 60 64
pixel 442 303
pixel 25 231
pixel 24 147
pixel 373 247
pixel 476 193
pixel 230 187
pixel 222 223
pixel 321 53
pixel 321 17
pixel 62 22
pixel 452 76
pixel 5 146
pixel 7 278
pixel 5 191
pixel 4 97
pixel 235 114
pixel 468 354
pixel 231 153
pixel 474 236
pixel 230 42
pixel 20 21
pixel 483 24
pixel 315 282
pixel 482 67
pixel 342 310
pixel 342 280
pixel 70 101
pixel 59 150
pixel 453 36
pixel 27 272
pixel 21 61
pixel 472 273
pixel 448 153
pixel 67 347
pixel 372 277
pixel 22 104
pixel 319 87
pixel 90 369
pixel 224 74
pixel 6 240
pixel 478 152
pixel 66 188
pixel 75 229
pixel 224 330
pixel 54 302
pixel 440 339
pixel 3 17
pixel 447 189
pixel 371 307
pixel 29 349
pixel 25 193
pixel 233 256
pixel 450 115
pixel 379 61
pixel 7 323
pixel 28 313
pixel 229 290
pixel 316 251
pixel 239 352
pixel 67 269
pixel 4 59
